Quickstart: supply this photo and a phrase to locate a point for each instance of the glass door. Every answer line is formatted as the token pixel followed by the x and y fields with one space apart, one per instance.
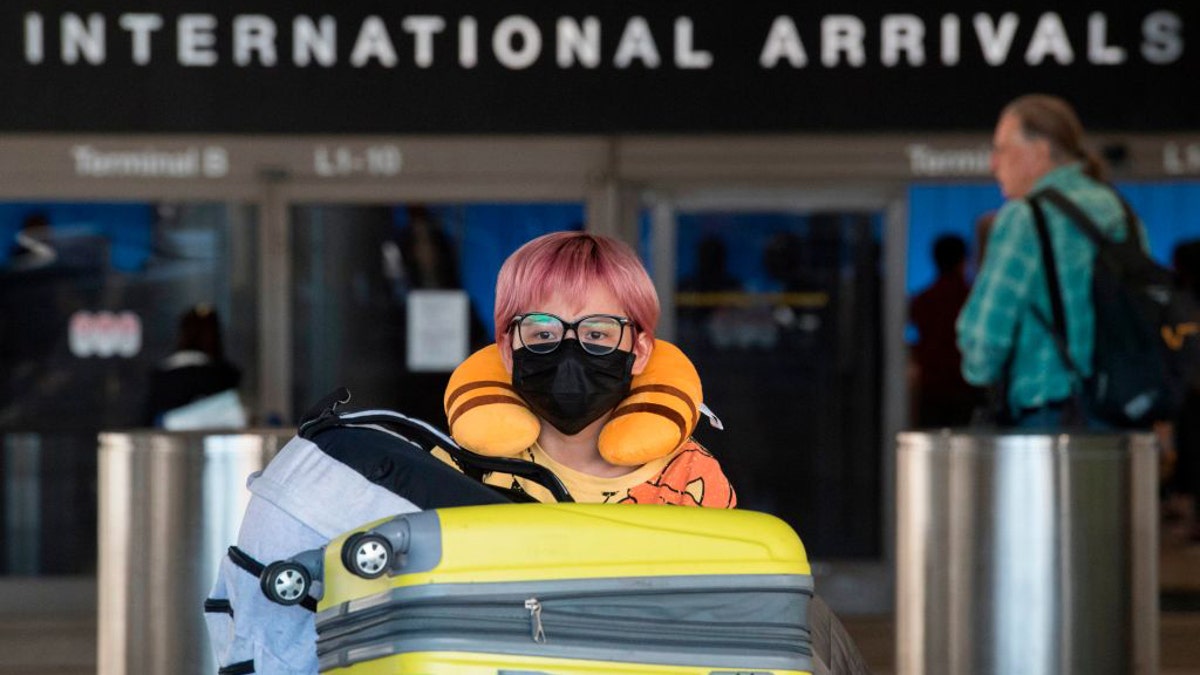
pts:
pixel 780 313
pixel 781 305
pixel 91 299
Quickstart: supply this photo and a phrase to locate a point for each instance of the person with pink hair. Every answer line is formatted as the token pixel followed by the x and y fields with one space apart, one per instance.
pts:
pixel 575 320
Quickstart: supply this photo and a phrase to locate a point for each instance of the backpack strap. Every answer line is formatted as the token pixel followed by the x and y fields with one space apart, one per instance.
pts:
pixel 1084 222
pixel 1058 330
pixel 427 436
pixel 1073 414
pixel 327 405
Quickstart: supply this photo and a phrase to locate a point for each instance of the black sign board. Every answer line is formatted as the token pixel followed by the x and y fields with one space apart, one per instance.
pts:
pixel 587 66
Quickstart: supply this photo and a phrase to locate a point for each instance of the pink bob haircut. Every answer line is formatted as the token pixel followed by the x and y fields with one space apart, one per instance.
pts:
pixel 571 263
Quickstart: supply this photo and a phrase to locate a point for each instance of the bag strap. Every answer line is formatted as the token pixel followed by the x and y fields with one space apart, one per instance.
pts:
pixel 1050 266
pixel 328 404
pixel 1084 222
pixel 1059 328
pixel 428 437
pixel 1073 414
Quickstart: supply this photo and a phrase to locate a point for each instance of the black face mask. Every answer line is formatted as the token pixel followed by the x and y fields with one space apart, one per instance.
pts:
pixel 570 388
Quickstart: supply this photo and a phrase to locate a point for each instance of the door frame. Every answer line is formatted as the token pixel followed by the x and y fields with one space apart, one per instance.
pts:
pixel 849 586
pixel 273 173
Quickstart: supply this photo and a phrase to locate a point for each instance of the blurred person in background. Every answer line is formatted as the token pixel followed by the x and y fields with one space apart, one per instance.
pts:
pixel 983 230
pixel 1182 470
pixel 944 399
pixel 196 370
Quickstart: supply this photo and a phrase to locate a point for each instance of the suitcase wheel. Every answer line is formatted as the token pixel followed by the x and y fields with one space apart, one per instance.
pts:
pixel 285 582
pixel 367 555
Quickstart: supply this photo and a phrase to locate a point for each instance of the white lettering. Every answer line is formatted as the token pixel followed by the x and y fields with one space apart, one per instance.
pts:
pixel 783 41
pixel 1181 160
pixel 423 28
pixel 151 162
pixel 578 43
pixel 215 162
pixel 314 42
pixel 531 42
pixel 254 33
pixel 34 43
pixel 1049 39
pixel 1099 51
pixel 468 42
pixel 384 160
pixel 82 40
pixel 1172 163
pixel 685 55
pixel 517 41
pixel 636 43
pixel 995 40
pixel 902 33
pixel 1172 159
pixel 842 34
pixel 926 161
pixel 196 40
pixel 951 40
pixel 140 26
pixel 340 160
pixel 328 164
pixel 373 43
pixel 1163 35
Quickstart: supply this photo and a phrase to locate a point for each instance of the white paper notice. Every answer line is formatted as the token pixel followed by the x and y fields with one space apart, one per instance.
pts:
pixel 437 330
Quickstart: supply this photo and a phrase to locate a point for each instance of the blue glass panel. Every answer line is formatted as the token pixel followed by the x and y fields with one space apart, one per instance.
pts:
pixel 127 228
pixel 1169 210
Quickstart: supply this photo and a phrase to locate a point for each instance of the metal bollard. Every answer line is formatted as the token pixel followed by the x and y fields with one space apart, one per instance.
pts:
pixel 1026 553
pixel 170 505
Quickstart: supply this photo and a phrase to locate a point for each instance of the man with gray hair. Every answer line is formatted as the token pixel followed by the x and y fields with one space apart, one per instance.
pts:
pixel 1007 330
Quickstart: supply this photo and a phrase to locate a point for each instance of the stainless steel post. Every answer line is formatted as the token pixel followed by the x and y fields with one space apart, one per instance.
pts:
pixel 170 504
pixel 22 456
pixel 1030 554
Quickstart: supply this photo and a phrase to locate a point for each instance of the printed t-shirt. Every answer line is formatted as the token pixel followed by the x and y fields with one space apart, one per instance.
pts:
pixel 689 476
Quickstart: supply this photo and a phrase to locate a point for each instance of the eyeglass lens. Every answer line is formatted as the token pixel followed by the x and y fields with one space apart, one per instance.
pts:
pixel 542 333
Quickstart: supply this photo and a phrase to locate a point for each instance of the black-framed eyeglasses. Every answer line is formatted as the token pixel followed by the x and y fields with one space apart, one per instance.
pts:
pixel 542 333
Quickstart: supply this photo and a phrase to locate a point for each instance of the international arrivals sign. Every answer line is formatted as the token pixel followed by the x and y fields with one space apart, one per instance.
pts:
pixel 587 66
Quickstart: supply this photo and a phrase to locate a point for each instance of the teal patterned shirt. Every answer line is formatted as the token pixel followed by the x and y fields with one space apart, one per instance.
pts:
pixel 1012 285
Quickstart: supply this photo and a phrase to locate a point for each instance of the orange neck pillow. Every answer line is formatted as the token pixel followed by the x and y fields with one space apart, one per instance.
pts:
pixel 488 417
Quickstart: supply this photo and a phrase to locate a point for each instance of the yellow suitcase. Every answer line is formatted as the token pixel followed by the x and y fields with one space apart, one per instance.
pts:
pixel 567 589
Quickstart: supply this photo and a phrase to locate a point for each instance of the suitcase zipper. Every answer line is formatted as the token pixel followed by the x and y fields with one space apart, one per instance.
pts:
pixel 535 617
pixel 576 618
